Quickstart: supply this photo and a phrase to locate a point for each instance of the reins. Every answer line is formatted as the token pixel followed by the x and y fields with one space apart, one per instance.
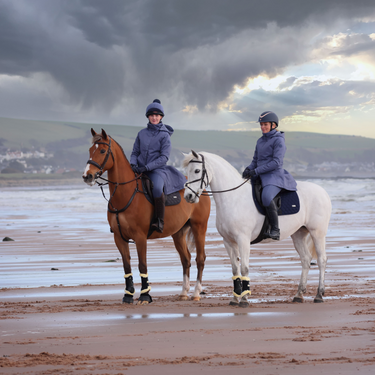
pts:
pixel 98 175
pixel 208 193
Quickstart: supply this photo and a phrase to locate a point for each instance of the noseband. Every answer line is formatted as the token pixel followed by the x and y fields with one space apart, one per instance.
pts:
pixel 101 167
pixel 201 179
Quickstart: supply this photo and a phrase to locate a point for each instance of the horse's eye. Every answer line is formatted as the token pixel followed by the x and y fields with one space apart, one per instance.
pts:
pixel 102 151
pixel 197 170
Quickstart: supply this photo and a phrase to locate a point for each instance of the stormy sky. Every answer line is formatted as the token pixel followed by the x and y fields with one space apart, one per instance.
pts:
pixel 214 64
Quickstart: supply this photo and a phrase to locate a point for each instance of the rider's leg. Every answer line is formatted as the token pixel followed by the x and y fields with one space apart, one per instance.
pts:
pixel 159 199
pixel 268 194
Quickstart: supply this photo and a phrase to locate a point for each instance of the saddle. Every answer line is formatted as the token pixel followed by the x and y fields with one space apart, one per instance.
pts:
pixel 170 199
pixel 287 203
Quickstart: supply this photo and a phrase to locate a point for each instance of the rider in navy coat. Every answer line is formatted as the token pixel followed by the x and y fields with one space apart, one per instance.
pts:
pixel 268 165
pixel 151 151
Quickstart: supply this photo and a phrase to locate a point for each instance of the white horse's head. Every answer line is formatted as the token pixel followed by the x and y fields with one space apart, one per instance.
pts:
pixel 197 176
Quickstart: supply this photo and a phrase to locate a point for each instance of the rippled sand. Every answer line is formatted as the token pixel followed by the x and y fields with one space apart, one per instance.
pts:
pixel 61 308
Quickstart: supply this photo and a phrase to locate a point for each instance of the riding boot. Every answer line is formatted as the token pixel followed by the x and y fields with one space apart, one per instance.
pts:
pixel 273 218
pixel 158 225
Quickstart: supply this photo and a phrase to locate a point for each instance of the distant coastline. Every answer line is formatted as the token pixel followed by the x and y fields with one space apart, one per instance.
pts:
pixel 35 180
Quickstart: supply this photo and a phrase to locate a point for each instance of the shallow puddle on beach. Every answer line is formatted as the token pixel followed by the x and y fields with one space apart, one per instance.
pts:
pixel 164 316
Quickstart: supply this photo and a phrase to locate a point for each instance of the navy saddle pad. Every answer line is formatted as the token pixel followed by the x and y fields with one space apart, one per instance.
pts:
pixel 170 200
pixel 286 201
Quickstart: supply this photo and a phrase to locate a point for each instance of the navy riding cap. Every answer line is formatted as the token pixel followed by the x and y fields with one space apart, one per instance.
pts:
pixel 269 116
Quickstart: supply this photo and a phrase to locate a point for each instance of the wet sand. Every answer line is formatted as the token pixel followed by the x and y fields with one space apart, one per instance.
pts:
pixel 61 311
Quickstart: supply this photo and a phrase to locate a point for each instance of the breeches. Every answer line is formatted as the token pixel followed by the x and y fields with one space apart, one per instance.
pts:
pixel 158 184
pixel 269 192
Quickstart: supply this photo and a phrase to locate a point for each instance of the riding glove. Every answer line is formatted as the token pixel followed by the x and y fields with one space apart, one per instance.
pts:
pixel 247 173
pixel 137 169
pixel 134 168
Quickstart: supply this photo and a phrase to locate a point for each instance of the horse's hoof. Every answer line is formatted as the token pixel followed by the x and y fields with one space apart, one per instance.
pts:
pixel 183 298
pixel 141 303
pixel 128 299
pixel 196 298
pixel 318 300
pixel 233 303
pixel 144 299
pixel 244 304
pixel 298 299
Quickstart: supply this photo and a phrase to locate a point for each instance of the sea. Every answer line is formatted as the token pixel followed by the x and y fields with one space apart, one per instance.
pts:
pixel 79 213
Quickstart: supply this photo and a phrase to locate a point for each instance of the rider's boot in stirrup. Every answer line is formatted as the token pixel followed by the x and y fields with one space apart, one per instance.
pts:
pixel 274 221
pixel 158 225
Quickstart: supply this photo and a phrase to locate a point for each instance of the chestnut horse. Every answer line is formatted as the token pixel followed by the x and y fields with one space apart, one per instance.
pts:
pixel 130 214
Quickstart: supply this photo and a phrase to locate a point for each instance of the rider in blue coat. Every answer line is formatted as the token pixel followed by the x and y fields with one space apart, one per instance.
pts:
pixel 150 154
pixel 268 165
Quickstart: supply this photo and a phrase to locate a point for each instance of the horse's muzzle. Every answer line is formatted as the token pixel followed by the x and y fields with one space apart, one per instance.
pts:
pixel 191 198
pixel 89 179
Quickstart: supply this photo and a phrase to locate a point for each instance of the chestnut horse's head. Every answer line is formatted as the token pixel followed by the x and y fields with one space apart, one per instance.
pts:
pixel 101 157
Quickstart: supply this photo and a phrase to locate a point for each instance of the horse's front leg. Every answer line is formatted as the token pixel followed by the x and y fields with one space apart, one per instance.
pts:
pixel 145 297
pixel 123 248
pixel 232 250
pixel 244 249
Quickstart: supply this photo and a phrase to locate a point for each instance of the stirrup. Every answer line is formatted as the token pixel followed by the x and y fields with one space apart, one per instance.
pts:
pixel 158 225
pixel 274 234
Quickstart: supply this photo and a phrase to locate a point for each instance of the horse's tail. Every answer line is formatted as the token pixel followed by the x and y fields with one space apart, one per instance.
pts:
pixel 311 246
pixel 190 240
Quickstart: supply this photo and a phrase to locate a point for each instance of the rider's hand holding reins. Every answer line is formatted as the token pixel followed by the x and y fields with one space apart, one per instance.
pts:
pixel 137 169
pixel 247 173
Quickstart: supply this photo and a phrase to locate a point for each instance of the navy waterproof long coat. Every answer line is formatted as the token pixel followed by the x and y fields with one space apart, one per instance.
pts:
pixel 268 161
pixel 151 149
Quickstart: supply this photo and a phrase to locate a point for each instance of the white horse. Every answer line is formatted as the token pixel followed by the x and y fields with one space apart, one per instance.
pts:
pixel 239 222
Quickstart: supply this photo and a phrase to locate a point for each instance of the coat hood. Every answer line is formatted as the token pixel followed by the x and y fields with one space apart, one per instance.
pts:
pixel 160 128
pixel 274 133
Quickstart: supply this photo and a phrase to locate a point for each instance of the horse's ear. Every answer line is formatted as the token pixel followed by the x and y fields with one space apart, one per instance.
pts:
pixel 93 132
pixel 104 134
pixel 195 154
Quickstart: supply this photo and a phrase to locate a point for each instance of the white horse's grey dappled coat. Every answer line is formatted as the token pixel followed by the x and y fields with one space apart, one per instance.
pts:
pixel 239 222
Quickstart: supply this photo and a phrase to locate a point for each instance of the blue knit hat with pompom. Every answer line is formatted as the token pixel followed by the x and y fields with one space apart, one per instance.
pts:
pixel 155 108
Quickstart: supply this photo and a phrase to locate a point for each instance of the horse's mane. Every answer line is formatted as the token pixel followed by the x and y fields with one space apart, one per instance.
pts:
pixel 98 137
pixel 188 158
pixel 123 152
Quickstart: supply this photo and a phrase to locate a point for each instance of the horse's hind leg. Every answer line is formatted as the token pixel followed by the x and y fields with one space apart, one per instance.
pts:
pixel 123 248
pixel 185 257
pixel 319 240
pixel 197 234
pixel 300 241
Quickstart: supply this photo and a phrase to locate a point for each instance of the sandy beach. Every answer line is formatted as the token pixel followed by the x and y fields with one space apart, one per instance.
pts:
pixel 75 325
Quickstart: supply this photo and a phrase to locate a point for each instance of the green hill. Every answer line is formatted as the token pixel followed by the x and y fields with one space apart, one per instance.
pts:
pixel 71 141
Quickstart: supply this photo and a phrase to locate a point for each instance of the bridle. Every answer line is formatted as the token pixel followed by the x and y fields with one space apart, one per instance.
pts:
pixel 98 174
pixel 204 176
pixel 101 167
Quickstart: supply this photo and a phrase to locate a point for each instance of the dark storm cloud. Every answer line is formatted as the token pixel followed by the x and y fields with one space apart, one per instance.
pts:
pixel 192 52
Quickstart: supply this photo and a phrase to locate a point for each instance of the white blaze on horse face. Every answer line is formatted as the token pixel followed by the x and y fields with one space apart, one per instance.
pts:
pixel 86 169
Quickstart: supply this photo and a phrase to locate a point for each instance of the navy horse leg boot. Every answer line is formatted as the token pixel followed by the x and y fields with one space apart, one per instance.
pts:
pixel 273 218
pixel 158 225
